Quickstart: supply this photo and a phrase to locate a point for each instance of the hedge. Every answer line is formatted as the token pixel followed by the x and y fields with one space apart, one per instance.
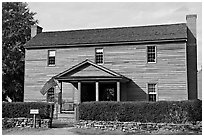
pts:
pixel 22 109
pixel 156 112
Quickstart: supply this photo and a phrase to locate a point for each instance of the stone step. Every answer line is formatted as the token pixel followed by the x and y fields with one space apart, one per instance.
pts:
pixel 67 112
pixel 62 115
pixel 63 120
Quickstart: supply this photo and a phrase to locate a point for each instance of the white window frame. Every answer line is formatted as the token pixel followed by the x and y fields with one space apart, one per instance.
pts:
pixel 152 93
pixel 51 53
pixel 155 54
pixel 99 50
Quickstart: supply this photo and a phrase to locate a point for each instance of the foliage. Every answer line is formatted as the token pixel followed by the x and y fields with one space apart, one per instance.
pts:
pixel 16 22
pixel 6 124
pixel 156 112
pixel 22 109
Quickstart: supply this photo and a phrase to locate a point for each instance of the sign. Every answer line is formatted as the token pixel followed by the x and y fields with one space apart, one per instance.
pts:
pixel 34 111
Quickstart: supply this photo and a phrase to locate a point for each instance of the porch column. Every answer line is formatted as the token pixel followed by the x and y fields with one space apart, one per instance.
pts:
pixel 118 91
pixel 60 97
pixel 76 107
pixel 97 92
pixel 79 92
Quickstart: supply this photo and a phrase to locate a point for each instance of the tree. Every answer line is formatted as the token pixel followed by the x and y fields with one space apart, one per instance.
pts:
pixel 16 22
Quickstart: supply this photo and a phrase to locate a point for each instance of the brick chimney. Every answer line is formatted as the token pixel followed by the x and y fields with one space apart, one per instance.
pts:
pixel 191 24
pixel 35 29
pixel 191 56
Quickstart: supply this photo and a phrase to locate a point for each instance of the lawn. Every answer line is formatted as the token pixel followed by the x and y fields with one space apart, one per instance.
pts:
pixel 94 131
pixel 88 131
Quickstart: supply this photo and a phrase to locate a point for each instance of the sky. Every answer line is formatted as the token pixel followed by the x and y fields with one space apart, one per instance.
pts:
pixel 61 16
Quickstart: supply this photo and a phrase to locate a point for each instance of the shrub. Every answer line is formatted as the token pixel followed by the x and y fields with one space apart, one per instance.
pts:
pixel 157 112
pixel 7 124
pixel 98 111
pixel 22 109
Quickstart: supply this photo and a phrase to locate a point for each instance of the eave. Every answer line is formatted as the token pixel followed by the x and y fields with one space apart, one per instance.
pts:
pixel 76 79
pixel 106 44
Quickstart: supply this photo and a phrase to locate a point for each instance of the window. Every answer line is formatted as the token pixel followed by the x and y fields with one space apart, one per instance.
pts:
pixel 99 56
pixel 151 54
pixel 152 93
pixel 51 57
pixel 50 95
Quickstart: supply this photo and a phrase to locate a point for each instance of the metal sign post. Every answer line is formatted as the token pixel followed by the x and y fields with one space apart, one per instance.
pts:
pixel 34 112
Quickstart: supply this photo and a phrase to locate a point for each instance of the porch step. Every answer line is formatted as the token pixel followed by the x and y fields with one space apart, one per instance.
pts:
pixel 63 122
pixel 65 118
pixel 67 112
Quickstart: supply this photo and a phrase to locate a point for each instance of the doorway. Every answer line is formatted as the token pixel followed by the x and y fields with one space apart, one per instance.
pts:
pixel 88 91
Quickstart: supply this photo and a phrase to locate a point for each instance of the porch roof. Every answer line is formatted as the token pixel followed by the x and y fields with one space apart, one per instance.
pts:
pixel 89 71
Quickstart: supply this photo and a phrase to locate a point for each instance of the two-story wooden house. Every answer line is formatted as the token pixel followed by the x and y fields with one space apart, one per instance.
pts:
pixel 143 63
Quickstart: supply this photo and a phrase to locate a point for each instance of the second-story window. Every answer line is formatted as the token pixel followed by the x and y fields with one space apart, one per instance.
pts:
pixel 51 58
pixel 99 56
pixel 151 54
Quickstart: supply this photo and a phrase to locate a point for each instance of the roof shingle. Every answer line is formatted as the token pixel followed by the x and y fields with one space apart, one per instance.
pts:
pixel 109 35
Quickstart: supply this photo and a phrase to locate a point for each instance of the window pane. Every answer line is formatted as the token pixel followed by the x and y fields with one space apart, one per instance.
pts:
pixel 151 87
pixel 51 53
pixel 99 56
pixel 151 54
pixel 51 57
pixel 152 92
pixel 152 97
pixel 99 50
pixel 51 61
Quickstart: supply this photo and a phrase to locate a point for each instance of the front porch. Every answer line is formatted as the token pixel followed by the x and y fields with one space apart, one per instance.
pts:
pixel 85 91
pixel 91 82
pixel 88 82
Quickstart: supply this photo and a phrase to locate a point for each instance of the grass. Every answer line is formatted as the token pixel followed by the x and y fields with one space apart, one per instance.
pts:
pixel 22 131
pixel 89 131
pixel 94 131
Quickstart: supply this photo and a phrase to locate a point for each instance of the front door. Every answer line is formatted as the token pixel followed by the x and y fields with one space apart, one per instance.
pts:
pixel 88 92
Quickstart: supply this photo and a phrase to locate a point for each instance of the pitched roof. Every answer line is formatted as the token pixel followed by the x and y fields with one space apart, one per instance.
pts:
pixel 83 69
pixel 109 35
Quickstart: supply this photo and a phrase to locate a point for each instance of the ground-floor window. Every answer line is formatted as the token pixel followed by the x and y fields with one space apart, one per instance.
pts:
pixel 152 91
pixel 50 95
pixel 107 92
